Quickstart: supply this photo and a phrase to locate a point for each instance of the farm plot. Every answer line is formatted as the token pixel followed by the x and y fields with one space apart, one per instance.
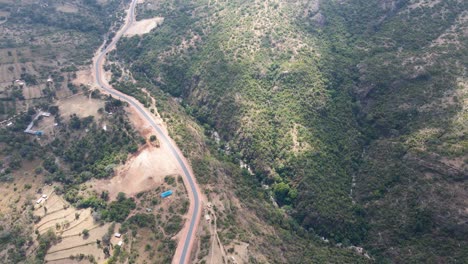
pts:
pixel 8 74
pixel 33 92
pixel 77 229
pixel 77 244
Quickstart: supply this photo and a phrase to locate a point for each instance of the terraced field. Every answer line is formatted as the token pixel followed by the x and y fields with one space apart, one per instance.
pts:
pixel 68 223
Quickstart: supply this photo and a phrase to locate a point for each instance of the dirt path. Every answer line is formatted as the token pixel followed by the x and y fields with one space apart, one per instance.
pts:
pixel 186 236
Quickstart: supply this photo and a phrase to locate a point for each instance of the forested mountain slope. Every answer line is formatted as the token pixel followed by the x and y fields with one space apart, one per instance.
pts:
pixel 409 62
pixel 247 70
pixel 353 112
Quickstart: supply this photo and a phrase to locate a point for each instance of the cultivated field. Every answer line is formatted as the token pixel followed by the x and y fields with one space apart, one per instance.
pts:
pixel 68 223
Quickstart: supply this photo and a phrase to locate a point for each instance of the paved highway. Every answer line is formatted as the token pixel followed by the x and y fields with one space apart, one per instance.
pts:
pixel 182 253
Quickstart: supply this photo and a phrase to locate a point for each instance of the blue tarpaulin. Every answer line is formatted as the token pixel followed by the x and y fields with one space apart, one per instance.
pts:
pixel 166 194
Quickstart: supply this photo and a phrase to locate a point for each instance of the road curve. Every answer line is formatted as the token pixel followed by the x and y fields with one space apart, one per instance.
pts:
pixel 182 254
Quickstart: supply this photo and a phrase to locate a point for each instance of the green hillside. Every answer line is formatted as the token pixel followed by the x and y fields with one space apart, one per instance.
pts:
pixel 410 61
pixel 352 112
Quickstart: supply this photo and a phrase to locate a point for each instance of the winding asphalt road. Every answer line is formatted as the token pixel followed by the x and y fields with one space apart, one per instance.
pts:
pixel 193 188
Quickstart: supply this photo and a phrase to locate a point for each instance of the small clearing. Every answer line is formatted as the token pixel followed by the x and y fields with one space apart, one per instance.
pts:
pixel 80 105
pixel 144 26
pixel 67 8
pixel 84 77
pixel 142 172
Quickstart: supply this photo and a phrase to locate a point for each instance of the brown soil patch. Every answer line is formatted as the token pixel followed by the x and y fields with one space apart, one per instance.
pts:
pixel 80 105
pixel 240 254
pixel 67 8
pixel 69 261
pixel 32 92
pixel 15 193
pixel 144 171
pixel 83 77
pixel 144 26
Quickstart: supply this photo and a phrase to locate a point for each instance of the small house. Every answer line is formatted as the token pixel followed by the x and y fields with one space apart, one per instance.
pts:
pixel 117 235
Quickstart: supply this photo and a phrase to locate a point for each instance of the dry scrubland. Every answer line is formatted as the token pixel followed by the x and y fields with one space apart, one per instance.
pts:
pixel 155 242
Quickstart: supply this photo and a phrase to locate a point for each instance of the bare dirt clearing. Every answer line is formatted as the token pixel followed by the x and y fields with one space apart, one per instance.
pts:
pixel 80 105
pixel 22 188
pixel 144 26
pixel 33 92
pixel 84 77
pixel 67 8
pixel 142 172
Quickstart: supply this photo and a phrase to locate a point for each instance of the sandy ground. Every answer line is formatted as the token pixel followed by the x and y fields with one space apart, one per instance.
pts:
pixel 68 261
pixel 83 77
pixel 240 254
pixel 32 92
pixel 14 194
pixel 144 26
pixel 141 173
pixel 80 105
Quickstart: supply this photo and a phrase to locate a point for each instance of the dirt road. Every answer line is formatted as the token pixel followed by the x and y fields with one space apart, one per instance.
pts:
pixel 187 235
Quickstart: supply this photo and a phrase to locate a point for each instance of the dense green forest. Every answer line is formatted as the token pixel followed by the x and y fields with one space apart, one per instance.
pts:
pixel 410 62
pixel 353 112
